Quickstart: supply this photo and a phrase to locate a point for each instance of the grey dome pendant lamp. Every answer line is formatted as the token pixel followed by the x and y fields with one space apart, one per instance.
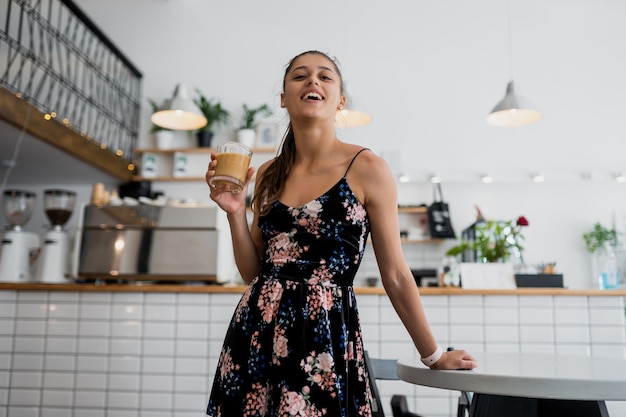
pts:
pixel 513 110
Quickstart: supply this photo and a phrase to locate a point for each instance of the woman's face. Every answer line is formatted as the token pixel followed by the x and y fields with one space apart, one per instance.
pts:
pixel 312 88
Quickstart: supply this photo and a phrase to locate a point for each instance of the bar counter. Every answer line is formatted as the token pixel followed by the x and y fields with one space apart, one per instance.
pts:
pixel 234 289
pixel 149 349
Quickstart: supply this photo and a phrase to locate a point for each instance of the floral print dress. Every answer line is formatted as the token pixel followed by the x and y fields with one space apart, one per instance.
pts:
pixel 294 345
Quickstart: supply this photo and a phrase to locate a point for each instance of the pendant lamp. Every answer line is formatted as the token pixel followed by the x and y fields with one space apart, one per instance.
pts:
pixel 512 110
pixel 179 112
pixel 351 118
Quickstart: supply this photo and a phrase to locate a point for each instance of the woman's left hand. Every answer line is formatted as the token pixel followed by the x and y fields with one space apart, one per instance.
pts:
pixel 455 359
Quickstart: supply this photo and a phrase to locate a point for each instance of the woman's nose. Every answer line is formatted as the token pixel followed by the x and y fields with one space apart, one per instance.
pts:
pixel 313 80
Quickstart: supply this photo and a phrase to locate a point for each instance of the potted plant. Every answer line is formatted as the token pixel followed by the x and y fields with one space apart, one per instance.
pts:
pixel 496 241
pixel 163 137
pixel 601 242
pixel 246 133
pixel 215 115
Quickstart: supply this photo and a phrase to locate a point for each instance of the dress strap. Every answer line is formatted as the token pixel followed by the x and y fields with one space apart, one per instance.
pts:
pixel 351 162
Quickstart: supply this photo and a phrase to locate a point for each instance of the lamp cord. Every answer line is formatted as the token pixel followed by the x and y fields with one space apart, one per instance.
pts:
pixel 510 39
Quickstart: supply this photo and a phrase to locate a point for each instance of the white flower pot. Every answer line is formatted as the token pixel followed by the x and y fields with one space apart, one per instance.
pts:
pixel 246 137
pixel 165 139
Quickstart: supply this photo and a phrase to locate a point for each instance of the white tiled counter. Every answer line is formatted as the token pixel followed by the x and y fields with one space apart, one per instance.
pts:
pixel 150 351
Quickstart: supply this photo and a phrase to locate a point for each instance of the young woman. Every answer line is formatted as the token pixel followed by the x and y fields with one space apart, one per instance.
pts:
pixel 294 345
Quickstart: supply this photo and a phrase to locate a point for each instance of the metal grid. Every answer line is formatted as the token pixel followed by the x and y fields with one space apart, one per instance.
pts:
pixel 55 58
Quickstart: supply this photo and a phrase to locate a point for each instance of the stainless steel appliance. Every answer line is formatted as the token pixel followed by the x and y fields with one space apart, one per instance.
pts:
pixel 147 242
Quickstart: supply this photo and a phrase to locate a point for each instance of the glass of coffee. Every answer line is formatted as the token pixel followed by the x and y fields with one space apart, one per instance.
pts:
pixel 233 161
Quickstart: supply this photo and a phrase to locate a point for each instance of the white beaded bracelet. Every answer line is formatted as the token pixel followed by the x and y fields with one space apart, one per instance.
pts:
pixel 432 359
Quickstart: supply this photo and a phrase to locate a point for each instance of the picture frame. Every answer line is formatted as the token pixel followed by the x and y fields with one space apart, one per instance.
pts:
pixel 266 135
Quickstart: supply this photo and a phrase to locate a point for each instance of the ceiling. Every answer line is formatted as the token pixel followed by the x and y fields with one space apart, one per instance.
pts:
pixel 40 163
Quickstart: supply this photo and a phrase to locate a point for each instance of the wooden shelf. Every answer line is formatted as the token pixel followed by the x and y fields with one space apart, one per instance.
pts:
pixel 206 150
pixel 413 209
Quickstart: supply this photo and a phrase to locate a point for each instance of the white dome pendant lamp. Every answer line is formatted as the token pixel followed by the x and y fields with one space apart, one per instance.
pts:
pixel 513 110
pixel 179 112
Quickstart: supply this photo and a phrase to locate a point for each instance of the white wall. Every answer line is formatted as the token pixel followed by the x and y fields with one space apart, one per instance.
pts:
pixel 428 72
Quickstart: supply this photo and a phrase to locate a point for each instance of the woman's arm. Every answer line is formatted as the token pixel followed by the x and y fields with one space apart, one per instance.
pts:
pixel 247 245
pixel 381 202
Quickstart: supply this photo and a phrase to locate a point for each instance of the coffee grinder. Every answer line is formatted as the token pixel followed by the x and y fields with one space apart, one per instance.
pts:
pixel 52 265
pixel 17 244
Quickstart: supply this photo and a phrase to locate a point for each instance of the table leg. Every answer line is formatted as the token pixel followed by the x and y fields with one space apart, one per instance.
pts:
pixel 487 405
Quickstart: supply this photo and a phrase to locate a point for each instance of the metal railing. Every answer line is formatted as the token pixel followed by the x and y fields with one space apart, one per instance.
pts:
pixel 56 59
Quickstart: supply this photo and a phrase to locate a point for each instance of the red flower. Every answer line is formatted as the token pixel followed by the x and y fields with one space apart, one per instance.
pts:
pixel 522 221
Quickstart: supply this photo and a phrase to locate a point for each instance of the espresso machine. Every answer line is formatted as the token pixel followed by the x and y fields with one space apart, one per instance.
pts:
pixel 17 244
pixel 52 265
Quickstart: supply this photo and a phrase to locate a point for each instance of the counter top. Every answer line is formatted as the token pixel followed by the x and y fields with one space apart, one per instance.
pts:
pixel 192 288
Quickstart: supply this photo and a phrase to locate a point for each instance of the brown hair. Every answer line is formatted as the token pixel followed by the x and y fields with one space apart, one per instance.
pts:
pixel 272 182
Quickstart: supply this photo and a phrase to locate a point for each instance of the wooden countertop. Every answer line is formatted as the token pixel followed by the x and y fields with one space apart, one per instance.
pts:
pixel 230 289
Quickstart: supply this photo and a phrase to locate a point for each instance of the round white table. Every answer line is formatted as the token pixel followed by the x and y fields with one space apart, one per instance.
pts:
pixel 511 384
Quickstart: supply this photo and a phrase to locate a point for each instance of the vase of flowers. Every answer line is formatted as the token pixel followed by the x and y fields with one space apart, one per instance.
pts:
pixel 601 243
pixel 494 241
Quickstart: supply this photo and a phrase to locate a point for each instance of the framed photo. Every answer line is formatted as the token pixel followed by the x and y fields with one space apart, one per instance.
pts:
pixel 266 135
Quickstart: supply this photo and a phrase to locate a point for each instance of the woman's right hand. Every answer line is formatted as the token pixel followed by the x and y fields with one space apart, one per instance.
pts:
pixel 228 201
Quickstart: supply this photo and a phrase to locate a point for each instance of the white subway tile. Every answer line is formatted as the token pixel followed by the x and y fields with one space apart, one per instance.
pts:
pixel 466 315
pixel 59 380
pixel 606 301
pixel 160 298
pixel 194 330
pixel 95 311
pixel 93 345
pixel 388 315
pixel 57 398
pixel 159 383
pixel 62 311
pixel 127 297
pixel 92 363
pixel 62 327
pixel 606 316
pixel 61 345
pixel 191 384
pixel 571 301
pixel 29 344
pixel 96 297
pixel 539 348
pixel 536 334
pixel 121 382
pixel 23 411
pixel 394 333
pixel 199 313
pixel 435 301
pixel 127 311
pixel 60 363
pixel 83 398
pixel 197 348
pixel 437 314
pixel 26 379
pixel 158 330
pixel 92 328
pixel 157 365
pixel 566 315
pixel 501 315
pixel 7 296
pixel 190 402
pixel 154 347
pixel 221 313
pixel 571 334
pixel 537 315
pixel 156 401
pixel 91 381
pixel 24 397
pixel 64 296
pixel 35 296
pixel 117 399
pixel 501 333
pixel 27 362
pixel 573 349
pixel 7 326
pixel 29 327
pixel 536 300
pixel 610 351
pixel 160 312
pixel 369 314
pixel 125 364
pixel 87 412
pixel 191 366
pixel 6 344
pixel 127 328
pixel 203 299
pixel 466 333
pixel 509 301
pixel 608 334
pixel 502 348
pixel 125 347
pixel 56 411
